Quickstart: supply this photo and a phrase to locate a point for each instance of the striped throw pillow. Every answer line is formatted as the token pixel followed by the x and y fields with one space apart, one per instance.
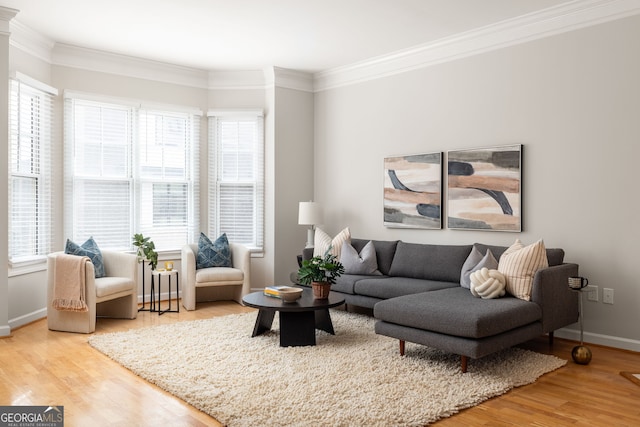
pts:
pixel 519 264
pixel 322 242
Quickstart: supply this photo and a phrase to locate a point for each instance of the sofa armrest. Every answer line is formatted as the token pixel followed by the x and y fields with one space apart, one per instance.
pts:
pixel 551 292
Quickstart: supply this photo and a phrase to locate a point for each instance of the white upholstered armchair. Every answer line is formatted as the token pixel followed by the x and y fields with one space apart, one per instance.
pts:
pixel 115 295
pixel 215 283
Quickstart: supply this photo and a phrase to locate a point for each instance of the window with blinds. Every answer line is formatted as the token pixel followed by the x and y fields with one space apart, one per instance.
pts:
pixel 100 146
pixel 236 178
pixel 166 177
pixel 30 153
pixel 133 170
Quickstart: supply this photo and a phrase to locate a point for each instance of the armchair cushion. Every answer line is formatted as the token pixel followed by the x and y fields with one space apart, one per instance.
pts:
pixel 213 254
pixel 90 249
pixel 219 274
pixel 112 285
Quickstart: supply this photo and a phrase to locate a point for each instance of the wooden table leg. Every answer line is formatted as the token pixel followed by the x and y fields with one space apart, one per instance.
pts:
pixel 297 328
pixel 323 321
pixel 263 322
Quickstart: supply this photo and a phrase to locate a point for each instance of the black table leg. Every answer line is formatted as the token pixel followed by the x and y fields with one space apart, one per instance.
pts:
pixel 263 322
pixel 323 321
pixel 297 328
pixel 168 310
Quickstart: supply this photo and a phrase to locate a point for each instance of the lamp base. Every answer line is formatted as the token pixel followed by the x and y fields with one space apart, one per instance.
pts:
pixel 310 238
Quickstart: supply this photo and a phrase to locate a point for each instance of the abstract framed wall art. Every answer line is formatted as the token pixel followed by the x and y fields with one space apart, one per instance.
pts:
pixel 413 191
pixel 484 189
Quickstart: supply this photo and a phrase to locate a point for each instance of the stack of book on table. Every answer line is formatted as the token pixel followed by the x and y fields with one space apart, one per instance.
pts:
pixel 275 291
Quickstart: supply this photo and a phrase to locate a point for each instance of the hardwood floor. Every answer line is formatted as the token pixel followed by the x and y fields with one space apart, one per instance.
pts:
pixel 42 367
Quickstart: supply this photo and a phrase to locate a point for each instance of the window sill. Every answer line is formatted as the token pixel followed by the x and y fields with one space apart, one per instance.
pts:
pixel 27 267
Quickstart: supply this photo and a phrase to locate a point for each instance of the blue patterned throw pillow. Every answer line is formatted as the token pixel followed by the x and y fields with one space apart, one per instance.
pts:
pixel 213 254
pixel 90 249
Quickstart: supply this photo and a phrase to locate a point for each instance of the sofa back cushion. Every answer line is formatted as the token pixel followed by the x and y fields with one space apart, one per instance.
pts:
pixel 385 250
pixel 432 262
pixel 555 256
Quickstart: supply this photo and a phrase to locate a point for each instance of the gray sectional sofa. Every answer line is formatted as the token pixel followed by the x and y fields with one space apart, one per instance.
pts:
pixel 418 298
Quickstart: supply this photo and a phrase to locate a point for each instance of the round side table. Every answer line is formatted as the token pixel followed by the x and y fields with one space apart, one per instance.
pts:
pixel 581 354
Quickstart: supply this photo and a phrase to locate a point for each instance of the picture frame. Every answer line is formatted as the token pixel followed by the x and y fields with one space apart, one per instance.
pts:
pixel 484 188
pixel 413 191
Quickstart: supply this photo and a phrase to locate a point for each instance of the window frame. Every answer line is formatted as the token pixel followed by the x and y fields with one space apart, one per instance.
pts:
pixel 136 179
pixel 41 140
pixel 216 181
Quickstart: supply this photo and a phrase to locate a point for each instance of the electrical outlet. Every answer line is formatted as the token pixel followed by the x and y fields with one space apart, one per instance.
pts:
pixel 607 295
pixel 592 293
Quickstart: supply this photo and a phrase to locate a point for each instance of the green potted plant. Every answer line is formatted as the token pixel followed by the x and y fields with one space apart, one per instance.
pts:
pixel 146 249
pixel 320 272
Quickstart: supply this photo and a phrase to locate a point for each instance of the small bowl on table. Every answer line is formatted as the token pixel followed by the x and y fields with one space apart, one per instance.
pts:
pixel 290 294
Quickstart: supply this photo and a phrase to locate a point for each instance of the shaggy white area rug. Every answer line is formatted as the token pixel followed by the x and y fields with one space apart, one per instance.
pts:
pixel 354 378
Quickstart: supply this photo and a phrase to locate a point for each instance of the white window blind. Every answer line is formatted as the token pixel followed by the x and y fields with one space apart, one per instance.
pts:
pixel 99 190
pixel 167 177
pixel 236 177
pixel 30 154
pixel 130 170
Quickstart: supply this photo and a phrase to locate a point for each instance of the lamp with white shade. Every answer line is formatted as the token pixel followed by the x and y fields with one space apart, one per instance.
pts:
pixel 310 213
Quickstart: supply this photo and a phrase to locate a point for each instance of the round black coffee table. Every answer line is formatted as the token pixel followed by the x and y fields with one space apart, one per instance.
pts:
pixel 298 320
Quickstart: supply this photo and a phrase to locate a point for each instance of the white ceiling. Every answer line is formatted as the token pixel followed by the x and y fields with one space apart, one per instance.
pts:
pixel 305 35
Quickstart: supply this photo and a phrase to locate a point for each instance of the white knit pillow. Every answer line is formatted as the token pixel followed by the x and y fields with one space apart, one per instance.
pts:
pixel 475 261
pixel 519 264
pixel 487 283
pixel 323 241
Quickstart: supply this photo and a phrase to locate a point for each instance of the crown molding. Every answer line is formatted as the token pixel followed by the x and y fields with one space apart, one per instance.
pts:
pixel 554 20
pixel 292 79
pixel 95 60
pixel 30 41
pixel 6 15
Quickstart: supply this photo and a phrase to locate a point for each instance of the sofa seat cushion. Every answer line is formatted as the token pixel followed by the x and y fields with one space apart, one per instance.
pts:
pixel 112 285
pixel 347 282
pixel 227 275
pixel 455 311
pixel 391 287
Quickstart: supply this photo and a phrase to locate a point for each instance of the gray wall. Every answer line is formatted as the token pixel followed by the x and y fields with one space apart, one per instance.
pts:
pixel 572 100
pixel 293 175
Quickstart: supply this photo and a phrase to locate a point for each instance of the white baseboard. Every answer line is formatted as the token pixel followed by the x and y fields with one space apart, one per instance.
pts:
pixel 593 338
pixel 5 331
pixel 27 318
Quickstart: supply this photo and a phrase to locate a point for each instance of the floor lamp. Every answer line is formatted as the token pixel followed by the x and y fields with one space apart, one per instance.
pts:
pixel 310 213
